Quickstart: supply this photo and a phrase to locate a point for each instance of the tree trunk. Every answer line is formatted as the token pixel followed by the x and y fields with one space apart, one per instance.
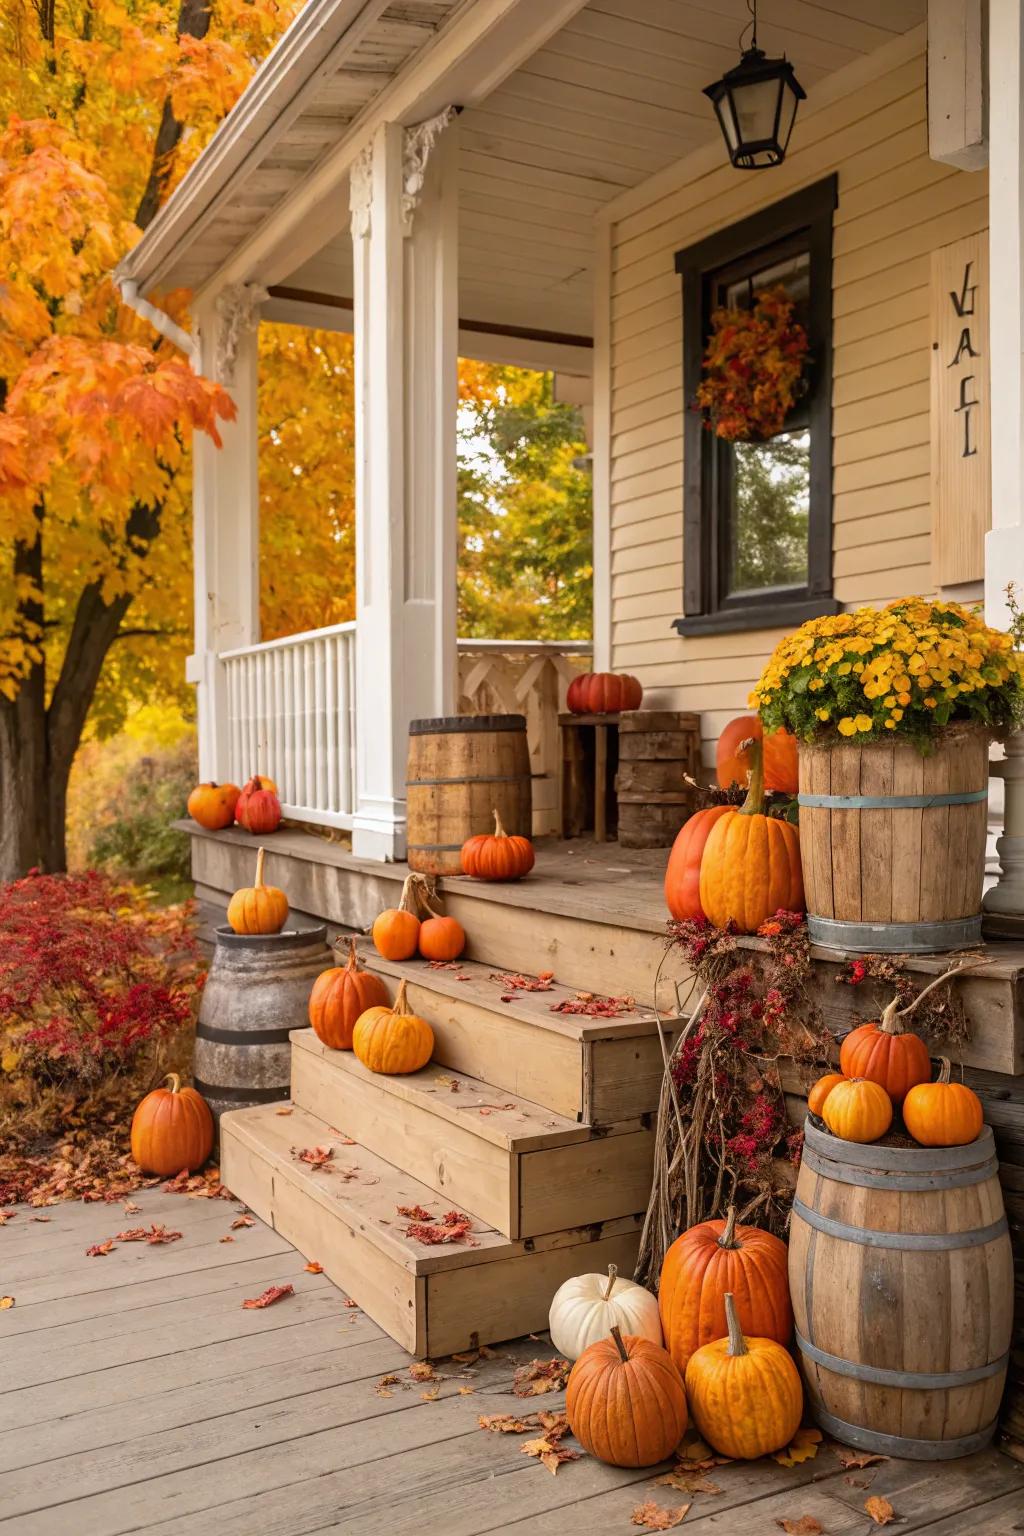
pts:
pixel 193 21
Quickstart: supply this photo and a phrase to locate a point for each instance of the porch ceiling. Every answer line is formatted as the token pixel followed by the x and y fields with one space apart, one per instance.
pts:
pixel 610 99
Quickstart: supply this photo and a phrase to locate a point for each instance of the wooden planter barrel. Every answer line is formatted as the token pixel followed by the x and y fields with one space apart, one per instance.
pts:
pixel 461 769
pixel 901 1276
pixel 256 993
pixel 657 749
pixel 893 843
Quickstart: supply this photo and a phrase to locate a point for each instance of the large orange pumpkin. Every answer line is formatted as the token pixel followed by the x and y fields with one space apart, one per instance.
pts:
pixel 603 693
pixel 213 805
pixel 857 1110
pixel 396 931
pixel 441 938
pixel 886 1054
pixel 745 1393
pixel 943 1114
pixel 497 855
pixel 392 1040
pixel 258 809
pixel 625 1401
pixel 704 1263
pixel 172 1129
pixel 751 863
pixel 339 996
pixel 682 877
pixel 258 908
pixel 732 758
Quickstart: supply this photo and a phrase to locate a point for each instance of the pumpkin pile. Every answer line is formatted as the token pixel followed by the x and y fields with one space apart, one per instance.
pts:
pixel 416 924
pixel 255 807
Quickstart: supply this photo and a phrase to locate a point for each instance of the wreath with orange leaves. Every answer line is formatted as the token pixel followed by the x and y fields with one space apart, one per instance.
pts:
pixel 753 368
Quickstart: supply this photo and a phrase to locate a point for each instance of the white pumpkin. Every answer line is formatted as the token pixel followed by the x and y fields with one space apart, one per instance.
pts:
pixel 587 1307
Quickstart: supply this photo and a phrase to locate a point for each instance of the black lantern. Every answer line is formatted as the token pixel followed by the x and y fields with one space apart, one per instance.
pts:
pixel 756 106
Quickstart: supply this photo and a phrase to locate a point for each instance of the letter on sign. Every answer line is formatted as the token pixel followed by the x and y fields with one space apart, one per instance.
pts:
pixel 960 469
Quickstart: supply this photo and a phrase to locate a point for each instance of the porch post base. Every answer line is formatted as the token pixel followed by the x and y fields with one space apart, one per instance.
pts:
pixel 380 837
pixel 1006 897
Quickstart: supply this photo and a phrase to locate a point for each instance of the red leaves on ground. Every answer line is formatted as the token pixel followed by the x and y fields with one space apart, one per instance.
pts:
pixel 540 1376
pixel 594 1007
pixel 453 1228
pixel 244 1220
pixel 880 1510
pixel 156 1233
pixel 653 1517
pixel 98 1250
pixel 269 1296
pixel 314 1268
pixel 198 1186
pixel 512 982
pixel 413 1212
pixel 6 1216
pixel 316 1157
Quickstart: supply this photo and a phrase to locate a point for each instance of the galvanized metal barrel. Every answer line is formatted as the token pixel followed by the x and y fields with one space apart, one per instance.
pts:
pixel 892 842
pixel 901 1275
pixel 256 993
pixel 461 769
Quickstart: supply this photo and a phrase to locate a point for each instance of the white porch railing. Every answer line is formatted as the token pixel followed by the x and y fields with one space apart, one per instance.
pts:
pixel 290 714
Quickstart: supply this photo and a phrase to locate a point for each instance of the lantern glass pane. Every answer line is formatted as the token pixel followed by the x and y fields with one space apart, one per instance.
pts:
pixel 789 104
pixel 755 107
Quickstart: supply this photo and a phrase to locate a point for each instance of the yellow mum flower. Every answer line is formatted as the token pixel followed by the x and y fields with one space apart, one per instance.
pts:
pixel 890 701
pixel 890 725
pixel 823 714
pixel 864 722
pixel 847 726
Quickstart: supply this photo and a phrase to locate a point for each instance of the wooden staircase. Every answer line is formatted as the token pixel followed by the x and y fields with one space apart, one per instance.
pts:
pixel 534 1124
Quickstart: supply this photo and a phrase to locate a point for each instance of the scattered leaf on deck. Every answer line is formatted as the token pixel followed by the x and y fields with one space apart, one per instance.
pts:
pixel 413 1212
pixel 270 1295
pixel 548 1452
pixel 452 1228
pixel 243 1221
pixel 466 1391
pixel 130 1208
pixel 227 1238
pixel 6 1216
pixel 383 1387
pixel 348 1302
pixel 654 1518
pixel 284 1110
pixel 540 1376
pixel 880 1510
pixel 804 1447
pixel 851 1459
pixel 5 1302
pixel 422 1370
pixel 805 1526
pixel 157 1233
pixel 314 1268
pixel 431 1395
pixel 506 1423
pixel 686 1480
pixel 316 1157
pixel 695 1455
pixel 99 1249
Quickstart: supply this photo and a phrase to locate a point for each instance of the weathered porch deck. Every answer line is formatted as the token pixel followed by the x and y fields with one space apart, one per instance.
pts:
pixel 138 1395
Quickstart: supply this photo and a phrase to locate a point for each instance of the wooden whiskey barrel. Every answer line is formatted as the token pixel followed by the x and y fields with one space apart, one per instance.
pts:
pixel 893 843
pixel 901 1276
pixel 256 993
pixel 657 748
pixel 461 769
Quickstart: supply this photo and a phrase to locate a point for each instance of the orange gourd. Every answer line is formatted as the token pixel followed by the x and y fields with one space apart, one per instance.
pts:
pixel 625 1401
pixel 682 877
pixel 391 1040
pixel 751 863
pixel 396 931
pixel 213 805
pixel 779 748
pixel 857 1110
pixel 707 1261
pixel 497 855
pixel 258 908
pixel 258 809
pixel 603 693
pixel 441 938
pixel 943 1114
pixel 745 1393
pixel 821 1090
pixel 172 1129
pixel 339 996
pixel 889 1055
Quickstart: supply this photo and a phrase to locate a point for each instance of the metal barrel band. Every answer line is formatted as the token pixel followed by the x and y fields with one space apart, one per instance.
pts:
pixel 914 1159
pixel 882 1376
pixel 243 1037
pixel 891 802
pixel 863 1439
pixel 241 1095
pixel 435 847
pixel 927 1242
pixel 895 938
pixel 866 1179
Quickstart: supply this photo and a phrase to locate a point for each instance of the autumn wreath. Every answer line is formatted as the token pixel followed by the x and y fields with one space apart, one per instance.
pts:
pixel 753 368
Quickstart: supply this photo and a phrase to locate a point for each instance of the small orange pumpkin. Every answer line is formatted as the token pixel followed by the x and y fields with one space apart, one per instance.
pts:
pixel 625 1401
pixel 603 693
pixel 943 1114
pixel 441 938
pixel 497 855
pixel 339 996
pixel 258 809
pixel 172 1129
pixel 857 1110
pixel 213 805
pixel 751 862
pixel 396 931
pixel 258 908
pixel 821 1090
pixel 682 877
pixel 888 1054
pixel 392 1040
pixel 780 748
pixel 710 1259
pixel 745 1393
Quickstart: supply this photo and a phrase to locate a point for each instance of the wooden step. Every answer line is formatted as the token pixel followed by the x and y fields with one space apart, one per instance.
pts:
pixel 600 1072
pixel 521 1168
pixel 431 1299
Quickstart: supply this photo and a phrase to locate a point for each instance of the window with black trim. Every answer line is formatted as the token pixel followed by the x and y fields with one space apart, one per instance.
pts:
pixel 757 515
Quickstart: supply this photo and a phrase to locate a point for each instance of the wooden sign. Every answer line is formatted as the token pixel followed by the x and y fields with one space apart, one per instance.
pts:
pixel 960 411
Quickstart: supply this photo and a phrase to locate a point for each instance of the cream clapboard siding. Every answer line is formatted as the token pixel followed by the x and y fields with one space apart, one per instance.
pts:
pixel 895 206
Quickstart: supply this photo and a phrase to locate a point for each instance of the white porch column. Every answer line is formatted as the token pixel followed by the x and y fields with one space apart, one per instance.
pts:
pixel 225 530
pixel 405 248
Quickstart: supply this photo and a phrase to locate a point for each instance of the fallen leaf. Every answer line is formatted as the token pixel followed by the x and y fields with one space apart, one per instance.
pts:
pixel 5 1302
pixel 880 1510
pixel 687 1480
pixel 805 1526
pixel 413 1212
pixel 803 1448
pixel 540 1376
pixel 269 1296
pixel 452 1228
pixel 316 1157
pixel 549 1453
pixel 243 1221
pixel 383 1387
pixel 348 1302
pixel 850 1459
pixel 227 1238
pixel 654 1518
pixel 39 1218
pixel 422 1370
pixel 466 1391
pixel 6 1216
pixel 284 1110
pixel 695 1455
pixel 507 1423
pixel 131 1209
pixel 313 1268
pixel 99 1249
pixel 431 1395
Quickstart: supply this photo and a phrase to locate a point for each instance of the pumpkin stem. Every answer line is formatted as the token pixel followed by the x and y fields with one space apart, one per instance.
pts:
pixel 353 963
pixel 623 1351
pixel 499 830
pixel 260 856
pixel 613 1270
pixel 737 1343
pixel 399 1004
pixel 889 1023
pixel 409 899
pixel 943 1076
pixel 728 1237
pixel 753 805
pixel 174 1081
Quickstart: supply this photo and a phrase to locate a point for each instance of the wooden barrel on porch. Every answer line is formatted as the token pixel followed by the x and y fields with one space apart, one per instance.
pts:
pixel 461 769
pixel 892 842
pixel 256 993
pixel 658 748
pixel 901 1275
